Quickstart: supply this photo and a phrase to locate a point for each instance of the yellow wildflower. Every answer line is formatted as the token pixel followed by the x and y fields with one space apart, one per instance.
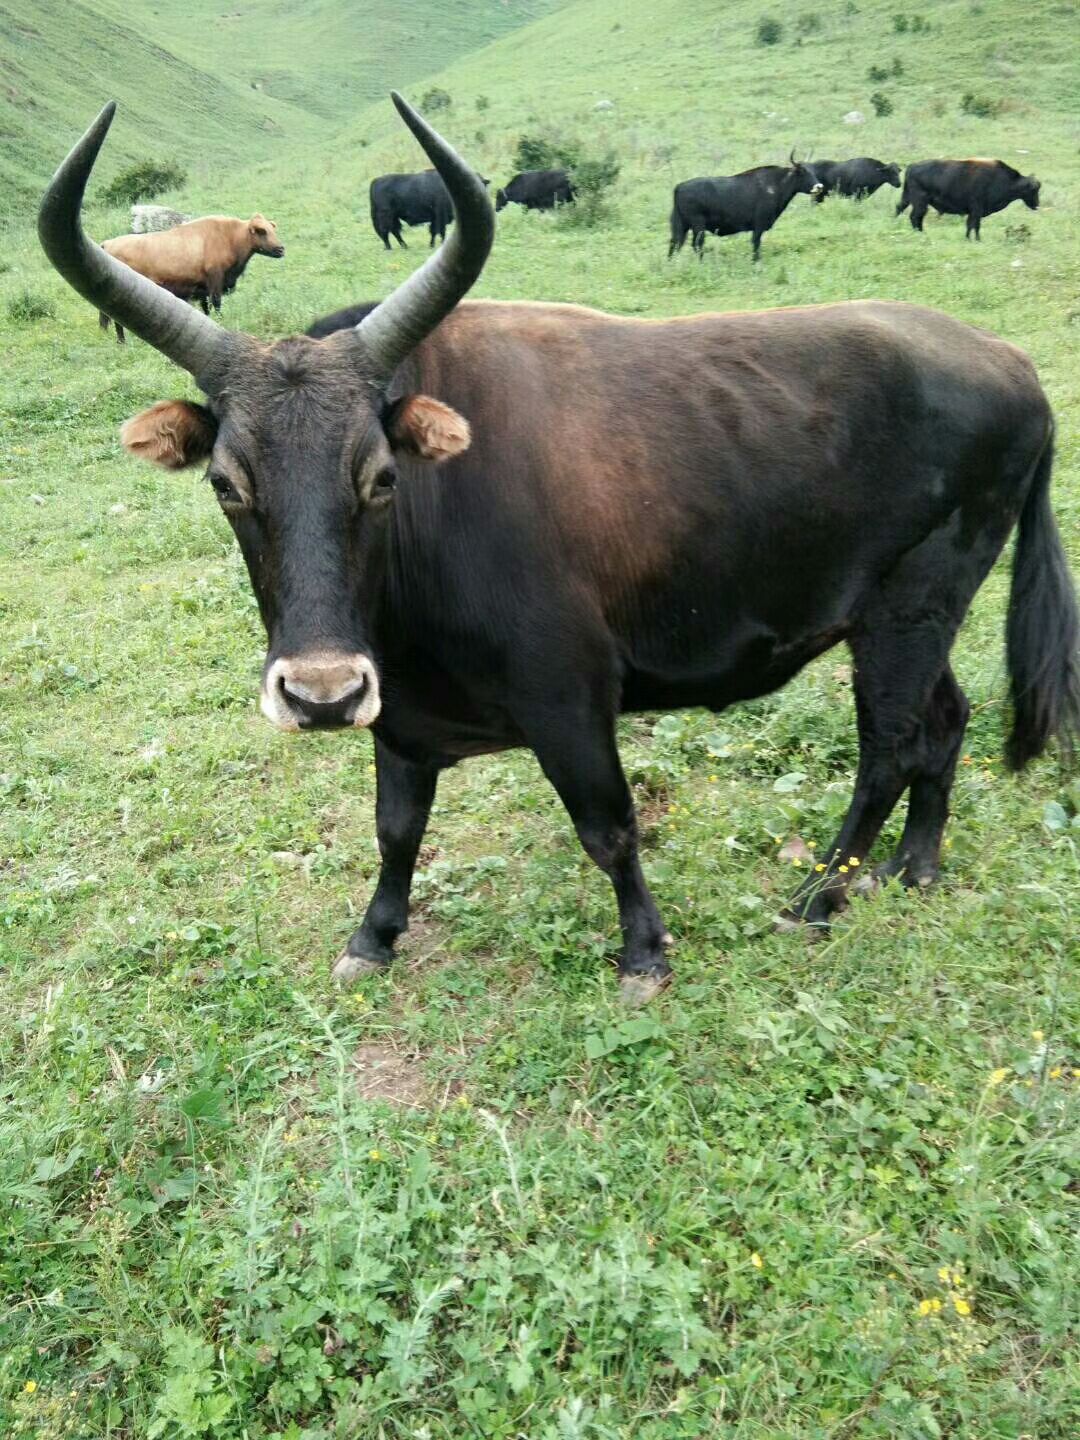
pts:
pixel 960 1305
pixel 756 1261
pixel 843 869
pixel 30 1387
pixel 712 779
pixel 289 1138
pixel 935 1305
pixel 819 867
pixel 943 1274
pixel 374 1154
pixel 997 1076
pixel 925 1306
pixel 1055 1073
pixel 671 809
pixel 854 860
pixel 1037 1036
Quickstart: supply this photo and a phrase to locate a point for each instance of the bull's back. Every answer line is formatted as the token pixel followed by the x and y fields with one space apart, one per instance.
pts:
pixel 747 447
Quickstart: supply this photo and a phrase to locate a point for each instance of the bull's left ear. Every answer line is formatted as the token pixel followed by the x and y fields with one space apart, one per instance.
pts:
pixel 422 426
pixel 172 434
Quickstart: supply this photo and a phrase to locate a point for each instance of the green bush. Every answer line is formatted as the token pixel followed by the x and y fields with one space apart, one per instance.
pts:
pixel 145 180
pixel 877 73
pixel 592 178
pixel 881 103
pixel 981 106
pixel 28 306
pixel 482 102
pixel 435 99
pixel 769 31
pixel 808 23
pixel 542 152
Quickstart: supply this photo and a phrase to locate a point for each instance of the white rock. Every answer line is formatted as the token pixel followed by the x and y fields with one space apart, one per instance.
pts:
pixel 854 117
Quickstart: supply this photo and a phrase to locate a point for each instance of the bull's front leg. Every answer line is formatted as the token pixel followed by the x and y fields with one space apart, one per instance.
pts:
pixel 404 795
pixel 577 752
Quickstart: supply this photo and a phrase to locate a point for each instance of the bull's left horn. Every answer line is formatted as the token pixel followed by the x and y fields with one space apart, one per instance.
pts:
pixel 394 330
pixel 169 324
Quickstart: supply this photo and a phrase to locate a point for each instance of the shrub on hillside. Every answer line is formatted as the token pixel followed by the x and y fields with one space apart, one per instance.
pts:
pixel 916 24
pixel 145 180
pixel 881 103
pixel 769 31
pixel 877 74
pixel 808 23
pixel 482 102
pixel 981 106
pixel 545 152
pixel 592 177
pixel 28 306
pixel 435 99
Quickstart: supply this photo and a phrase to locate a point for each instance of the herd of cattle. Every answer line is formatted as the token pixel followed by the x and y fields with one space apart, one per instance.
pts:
pixel 472 526
pixel 201 260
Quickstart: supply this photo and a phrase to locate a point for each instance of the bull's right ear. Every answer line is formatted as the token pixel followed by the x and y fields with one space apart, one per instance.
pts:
pixel 172 433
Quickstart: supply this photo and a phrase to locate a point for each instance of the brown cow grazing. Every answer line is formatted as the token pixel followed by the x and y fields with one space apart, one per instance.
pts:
pixel 483 525
pixel 201 260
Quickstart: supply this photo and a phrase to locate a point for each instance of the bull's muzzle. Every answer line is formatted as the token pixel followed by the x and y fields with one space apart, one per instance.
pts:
pixel 817 193
pixel 322 690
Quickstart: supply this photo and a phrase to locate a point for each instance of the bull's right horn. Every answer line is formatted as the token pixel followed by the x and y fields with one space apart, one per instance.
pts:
pixel 169 324
pixel 396 327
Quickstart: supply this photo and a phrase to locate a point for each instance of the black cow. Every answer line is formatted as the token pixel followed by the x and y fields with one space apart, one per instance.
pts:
pixel 856 178
pixel 633 515
pixel 420 199
pixel 537 190
pixel 729 204
pixel 975 188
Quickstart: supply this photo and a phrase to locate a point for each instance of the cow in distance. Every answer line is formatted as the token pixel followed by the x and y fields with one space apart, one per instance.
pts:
pixel 199 260
pixel 537 190
pixel 973 188
pixel 751 201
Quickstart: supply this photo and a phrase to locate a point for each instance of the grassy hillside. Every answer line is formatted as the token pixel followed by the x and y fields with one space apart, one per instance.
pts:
pixel 211 85
pixel 814 1193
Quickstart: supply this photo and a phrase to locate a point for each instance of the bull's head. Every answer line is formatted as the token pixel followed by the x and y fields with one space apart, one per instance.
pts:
pixel 264 239
pixel 892 175
pixel 806 181
pixel 301 436
pixel 1028 189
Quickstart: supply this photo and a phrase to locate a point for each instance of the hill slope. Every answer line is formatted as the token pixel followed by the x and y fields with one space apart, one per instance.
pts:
pixel 216 87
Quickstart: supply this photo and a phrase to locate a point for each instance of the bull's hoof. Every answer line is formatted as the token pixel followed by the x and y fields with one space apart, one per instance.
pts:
pixel 359 958
pixel 811 930
pixel 638 990
pixel 349 968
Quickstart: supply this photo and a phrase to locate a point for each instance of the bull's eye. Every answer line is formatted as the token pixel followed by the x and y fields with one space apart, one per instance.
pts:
pixel 225 490
pixel 384 482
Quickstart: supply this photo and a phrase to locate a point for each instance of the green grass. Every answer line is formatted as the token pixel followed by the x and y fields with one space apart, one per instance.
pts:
pixel 474 1198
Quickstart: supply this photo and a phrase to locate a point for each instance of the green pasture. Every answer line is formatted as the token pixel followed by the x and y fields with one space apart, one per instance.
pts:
pixel 812 1193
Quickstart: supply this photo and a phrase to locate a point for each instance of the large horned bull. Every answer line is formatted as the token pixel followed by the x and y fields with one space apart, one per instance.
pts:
pixel 485 525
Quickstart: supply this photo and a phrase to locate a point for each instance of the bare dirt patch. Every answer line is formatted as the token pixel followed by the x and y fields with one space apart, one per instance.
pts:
pixel 383 1073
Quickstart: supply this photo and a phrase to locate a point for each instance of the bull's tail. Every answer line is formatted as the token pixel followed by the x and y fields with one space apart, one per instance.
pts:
pixel 1042 631
pixel 905 198
pixel 679 228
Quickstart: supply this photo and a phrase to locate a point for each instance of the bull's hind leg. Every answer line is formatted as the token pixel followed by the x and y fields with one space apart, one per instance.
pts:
pixel 915 861
pixel 911 712
pixel 404 795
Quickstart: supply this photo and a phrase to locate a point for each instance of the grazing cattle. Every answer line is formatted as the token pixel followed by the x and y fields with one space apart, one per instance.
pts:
pixel 537 190
pixel 472 526
pixel 200 260
pixel 729 204
pixel 857 178
pixel 975 188
pixel 148 219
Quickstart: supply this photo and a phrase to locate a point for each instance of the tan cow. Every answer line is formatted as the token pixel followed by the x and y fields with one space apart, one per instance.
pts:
pixel 201 260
